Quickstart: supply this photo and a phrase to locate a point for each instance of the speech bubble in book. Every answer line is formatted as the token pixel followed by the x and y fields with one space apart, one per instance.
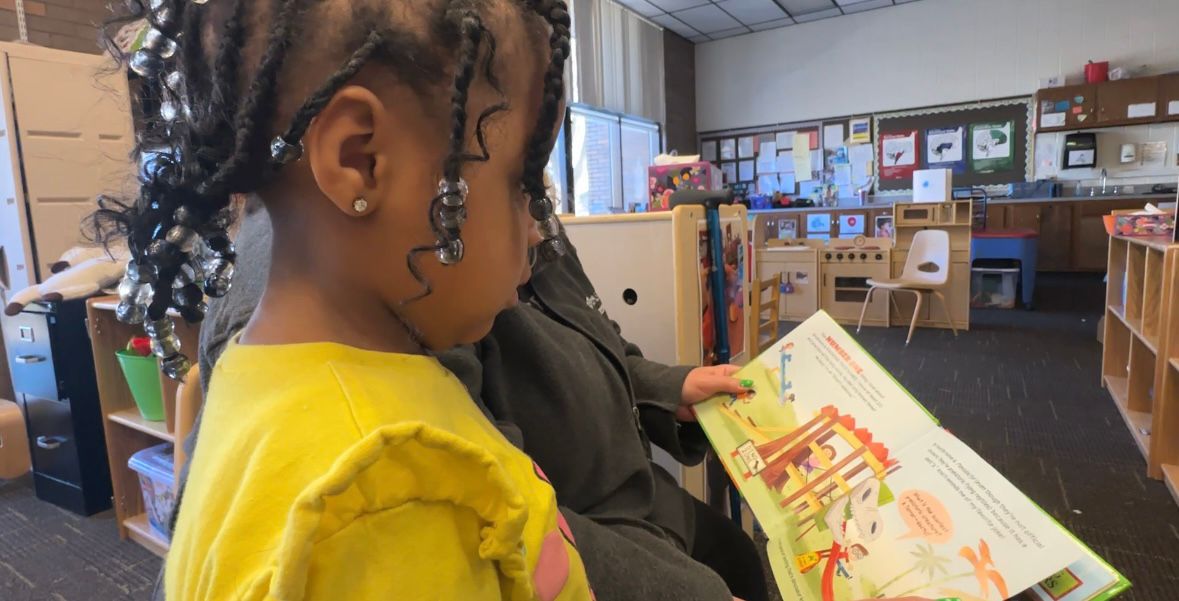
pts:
pixel 925 516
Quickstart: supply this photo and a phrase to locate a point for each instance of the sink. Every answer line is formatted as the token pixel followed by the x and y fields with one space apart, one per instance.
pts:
pixel 1110 190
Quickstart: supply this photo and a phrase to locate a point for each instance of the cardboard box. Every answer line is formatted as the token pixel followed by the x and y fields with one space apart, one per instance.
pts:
pixel 932 185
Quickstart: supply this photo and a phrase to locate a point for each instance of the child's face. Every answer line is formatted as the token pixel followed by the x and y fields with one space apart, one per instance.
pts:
pixel 389 144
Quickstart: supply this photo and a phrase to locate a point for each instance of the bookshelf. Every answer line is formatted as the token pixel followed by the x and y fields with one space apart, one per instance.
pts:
pixel 126 431
pixel 1140 357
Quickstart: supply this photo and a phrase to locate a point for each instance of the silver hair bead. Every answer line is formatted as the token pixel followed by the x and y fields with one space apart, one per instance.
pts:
pixel 143 274
pixel 165 347
pixel 540 208
pixel 550 228
pixel 183 237
pixel 456 188
pixel 220 277
pixel 552 249
pixel 159 327
pixel 175 81
pixel 452 219
pixel 168 111
pixel 192 272
pixel 283 152
pixel 130 313
pixel 157 42
pixel 128 290
pixel 176 368
pixel 451 253
pixel 145 63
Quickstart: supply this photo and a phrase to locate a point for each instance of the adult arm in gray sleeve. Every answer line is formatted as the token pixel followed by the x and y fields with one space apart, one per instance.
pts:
pixel 659 391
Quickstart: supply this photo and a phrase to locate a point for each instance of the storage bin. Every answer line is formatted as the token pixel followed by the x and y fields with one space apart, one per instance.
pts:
pixel 157 484
pixel 993 287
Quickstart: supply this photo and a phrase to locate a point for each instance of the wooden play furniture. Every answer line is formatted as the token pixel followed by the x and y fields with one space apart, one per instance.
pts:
pixel 955 218
pixel 797 261
pixel 126 431
pixel 847 266
pixel 1140 358
pixel 766 296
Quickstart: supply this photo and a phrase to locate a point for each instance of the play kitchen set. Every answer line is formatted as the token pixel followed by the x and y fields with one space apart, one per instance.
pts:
pixel 831 272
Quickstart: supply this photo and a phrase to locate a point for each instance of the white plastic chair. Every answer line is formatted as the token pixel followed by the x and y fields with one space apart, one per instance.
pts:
pixel 927 269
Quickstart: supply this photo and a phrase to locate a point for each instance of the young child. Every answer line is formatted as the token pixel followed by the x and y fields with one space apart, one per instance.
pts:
pixel 398 147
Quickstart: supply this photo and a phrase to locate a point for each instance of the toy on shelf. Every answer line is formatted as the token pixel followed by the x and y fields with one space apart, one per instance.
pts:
pixel 666 180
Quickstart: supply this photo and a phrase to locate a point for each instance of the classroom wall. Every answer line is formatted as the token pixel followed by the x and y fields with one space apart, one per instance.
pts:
pixel 924 53
pixel 62 24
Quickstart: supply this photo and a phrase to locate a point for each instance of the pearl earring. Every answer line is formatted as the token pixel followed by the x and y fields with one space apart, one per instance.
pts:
pixel 360 205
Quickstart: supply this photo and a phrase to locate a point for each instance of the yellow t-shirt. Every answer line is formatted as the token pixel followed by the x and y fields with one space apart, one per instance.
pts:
pixel 329 472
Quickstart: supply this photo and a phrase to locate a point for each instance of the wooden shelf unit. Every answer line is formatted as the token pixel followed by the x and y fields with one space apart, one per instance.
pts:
pixel 1141 343
pixel 126 431
pixel 1166 417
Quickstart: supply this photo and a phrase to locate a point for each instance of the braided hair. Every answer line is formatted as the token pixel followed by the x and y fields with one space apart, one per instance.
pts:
pixel 207 135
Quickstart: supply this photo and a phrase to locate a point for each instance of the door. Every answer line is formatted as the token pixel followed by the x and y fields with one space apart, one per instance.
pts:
pixel 1169 97
pixel 1024 216
pixel 1128 101
pixel 1054 249
pixel 996 217
pixel 72 117
pixel 1053 104
pixel 16 252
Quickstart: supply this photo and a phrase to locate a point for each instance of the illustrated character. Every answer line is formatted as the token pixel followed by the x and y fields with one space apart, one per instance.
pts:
pixel 807 561
pixel 860 508
pixel 814 463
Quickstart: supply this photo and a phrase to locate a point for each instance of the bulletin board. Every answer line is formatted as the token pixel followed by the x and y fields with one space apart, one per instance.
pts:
pixel 995 147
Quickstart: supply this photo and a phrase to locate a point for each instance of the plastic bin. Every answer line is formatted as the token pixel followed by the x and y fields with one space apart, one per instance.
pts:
pixel 993 287
pixel 157 483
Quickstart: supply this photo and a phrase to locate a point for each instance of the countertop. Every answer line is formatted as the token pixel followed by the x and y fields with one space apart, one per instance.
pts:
pixel 883 202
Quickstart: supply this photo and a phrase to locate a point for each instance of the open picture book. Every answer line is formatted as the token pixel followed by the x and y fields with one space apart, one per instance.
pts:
pixel 863 495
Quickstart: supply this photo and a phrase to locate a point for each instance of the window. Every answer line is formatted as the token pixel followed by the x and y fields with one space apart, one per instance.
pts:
pixel 610 155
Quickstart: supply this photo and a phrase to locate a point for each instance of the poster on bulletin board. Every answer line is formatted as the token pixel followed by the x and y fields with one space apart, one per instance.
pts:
pixel 945 148
pixel 898 155
pixel 991 147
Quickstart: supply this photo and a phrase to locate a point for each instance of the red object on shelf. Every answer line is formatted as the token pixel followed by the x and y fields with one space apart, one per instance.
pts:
pixel 1097 72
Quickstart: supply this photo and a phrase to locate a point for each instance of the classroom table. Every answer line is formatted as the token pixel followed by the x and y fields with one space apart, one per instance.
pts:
pixel 1018 244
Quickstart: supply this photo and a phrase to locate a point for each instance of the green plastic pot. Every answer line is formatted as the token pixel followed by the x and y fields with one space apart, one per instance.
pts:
pixel 143 378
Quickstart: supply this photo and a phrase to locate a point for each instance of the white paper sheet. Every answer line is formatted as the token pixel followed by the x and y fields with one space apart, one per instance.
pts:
pixel 784 140
pixel 843 179
pixel 986 146
pixel 817 160
pixel 833 136
pixel 745 148
pixel 1154 154
pixel 767 158
pixel 860 159
pixel 1052 120
pixel 944 147
pixel 1080 157
pixel 708 150
pixel 728 149
pixel 900 151
pixel 785 163
pixel 767 184
pixel 745 171
pixel 1142 109
pixel 1046 157
pixel 786 183
pixel 802 157
pixel 1173 107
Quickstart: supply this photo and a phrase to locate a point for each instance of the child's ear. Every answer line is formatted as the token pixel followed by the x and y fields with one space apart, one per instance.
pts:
pixel 340 149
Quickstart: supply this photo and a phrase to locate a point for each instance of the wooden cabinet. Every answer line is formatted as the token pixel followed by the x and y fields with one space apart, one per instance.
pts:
pixel 1023 216
pixel 1117 100
pixel 1090 241
pixel 1168 93
pixel 1053 101
pixel 1056 233
pixel 996 216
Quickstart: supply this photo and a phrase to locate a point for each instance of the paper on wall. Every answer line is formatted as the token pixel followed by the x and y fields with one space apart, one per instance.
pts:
pixel 1154 154
pixel 745 171
pixel 859 157
pixel 900 152
pixel 745 148
pixel 786 183
pixel 767 184
pixel 860 131
pixel 1081 158
pixel 1140 110
pixel 1173 107
pixel 767 158
pixel 784 163
pixel 833 136
pixel 1052 120
pixel 843 179
pixel 1046 158
pixel 816 160
pixel 784 140
pixel 806 189
pixel 802 157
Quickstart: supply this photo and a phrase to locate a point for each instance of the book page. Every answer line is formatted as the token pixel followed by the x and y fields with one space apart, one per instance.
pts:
pixel 943 524
pixel 1084 580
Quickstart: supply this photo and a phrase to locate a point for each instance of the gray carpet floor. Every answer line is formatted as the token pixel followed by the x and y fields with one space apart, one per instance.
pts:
pixel 1021 388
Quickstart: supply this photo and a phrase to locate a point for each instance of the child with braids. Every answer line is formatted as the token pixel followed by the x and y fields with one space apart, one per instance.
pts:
pixel 398 147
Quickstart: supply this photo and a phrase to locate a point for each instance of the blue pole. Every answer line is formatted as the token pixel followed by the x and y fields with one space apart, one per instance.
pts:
pixel 720 318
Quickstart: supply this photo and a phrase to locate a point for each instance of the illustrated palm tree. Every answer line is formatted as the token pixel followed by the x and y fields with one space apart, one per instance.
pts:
pixel 928 562
pixel 983 570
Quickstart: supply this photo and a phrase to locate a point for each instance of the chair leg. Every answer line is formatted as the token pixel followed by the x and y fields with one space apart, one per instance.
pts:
pixel 864 309
pixel 893 301
pixel 916 310
pixel 946 307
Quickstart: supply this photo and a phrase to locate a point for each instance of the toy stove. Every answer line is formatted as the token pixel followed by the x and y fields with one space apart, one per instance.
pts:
pixel 847 265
